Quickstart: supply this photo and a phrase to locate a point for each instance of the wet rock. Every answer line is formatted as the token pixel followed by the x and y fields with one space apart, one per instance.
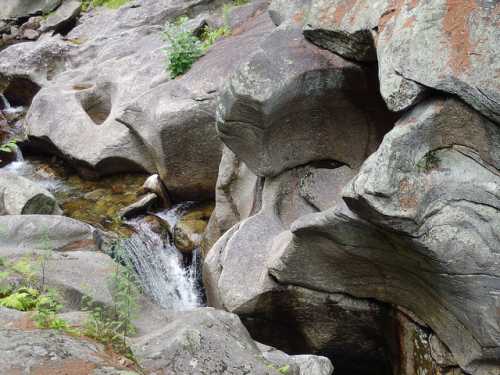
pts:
pixel 201 341
pixel 188 231
pixel 143 205
pixel 312 100
pixel 155 185
pixel 51 352
pixel 66 13
pixel 20 196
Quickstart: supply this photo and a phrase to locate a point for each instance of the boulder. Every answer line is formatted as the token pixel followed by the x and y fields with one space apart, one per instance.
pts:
pixel 142 206
pixel 202 341
pixel 176 119
pixel 154 184
pixel 107 60
pixel 21 234
pixel 430 190
pixel 316 98
pixel 20 196
pixel 50 352
pixel 13 9
pixel 64 15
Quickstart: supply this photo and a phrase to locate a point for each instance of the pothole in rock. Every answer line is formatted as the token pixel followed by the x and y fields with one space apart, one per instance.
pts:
pixel 19 92
pixel 95 100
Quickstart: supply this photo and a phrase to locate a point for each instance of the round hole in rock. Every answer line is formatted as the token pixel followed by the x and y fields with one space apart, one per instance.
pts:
pixel 97 104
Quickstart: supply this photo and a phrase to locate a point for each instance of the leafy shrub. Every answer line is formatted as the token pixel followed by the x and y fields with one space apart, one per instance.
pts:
pixel 210 36
pixel 184 48
pixel 24 299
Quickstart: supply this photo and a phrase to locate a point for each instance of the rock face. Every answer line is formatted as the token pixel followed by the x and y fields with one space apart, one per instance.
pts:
pixel 20 196
pixel 176 118
pixel 49 352
pixel 292 87
pixel 312 206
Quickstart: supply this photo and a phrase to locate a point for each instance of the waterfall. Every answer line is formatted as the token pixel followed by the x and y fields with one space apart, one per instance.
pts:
pixel 160 268
pixel 7 108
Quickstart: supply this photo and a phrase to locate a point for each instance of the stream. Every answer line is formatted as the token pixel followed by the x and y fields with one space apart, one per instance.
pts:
pixel 170 278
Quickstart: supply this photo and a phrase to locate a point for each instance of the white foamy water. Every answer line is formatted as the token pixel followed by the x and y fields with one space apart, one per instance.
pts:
pixel 160 268
pixel 7 108
pixel 27 169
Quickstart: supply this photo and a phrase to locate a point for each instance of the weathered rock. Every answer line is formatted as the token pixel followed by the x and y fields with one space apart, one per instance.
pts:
pixel 458 40
pixel 12 9
pixel 143 205
pixel 50 352
pixel 20 196
pixel 30 34
pixel 345 28
pixel 202 341
pixel 292 87
pixel 175 119
pixel 283 10
pixel 434 181
pixel 66 13
pixel 21 234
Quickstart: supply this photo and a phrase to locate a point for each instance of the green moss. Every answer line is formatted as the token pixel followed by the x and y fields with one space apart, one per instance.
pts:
pixel 112 4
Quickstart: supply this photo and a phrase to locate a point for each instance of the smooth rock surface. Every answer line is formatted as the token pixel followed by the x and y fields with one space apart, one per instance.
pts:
pixel 20 196
pixel 316 98
pixel 12 9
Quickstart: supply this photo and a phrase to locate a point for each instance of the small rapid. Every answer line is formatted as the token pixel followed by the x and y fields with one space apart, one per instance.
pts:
pixel 7 108
pixel 159 265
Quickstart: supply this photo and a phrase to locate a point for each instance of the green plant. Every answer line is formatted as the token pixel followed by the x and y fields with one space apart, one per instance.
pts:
pixel 23 299
pixel 111 326
pixel 112 4
pixel 428 162
pixel 183 48
pixel 210 36
pixel 47 307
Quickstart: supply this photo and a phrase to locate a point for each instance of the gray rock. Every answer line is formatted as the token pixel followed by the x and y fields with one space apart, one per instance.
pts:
pixel 291 87
pixel 30 34
pixel 21 234
pixel 143 205
pixel 431 189
pixel 20 196
pixel 176 119
pixel 199 342
pixel 50 352
pixel 154 184
pixel 457 40
pixel 12 9
pixel 67 12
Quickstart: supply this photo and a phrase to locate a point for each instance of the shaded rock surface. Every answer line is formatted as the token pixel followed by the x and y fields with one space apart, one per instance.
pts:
pixel 12 9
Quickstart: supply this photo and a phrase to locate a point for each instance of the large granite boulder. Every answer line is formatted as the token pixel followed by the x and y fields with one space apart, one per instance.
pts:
pixel 175 120
pixel 457 40
pixel 20 196
pixel 431 189
pixel 327 107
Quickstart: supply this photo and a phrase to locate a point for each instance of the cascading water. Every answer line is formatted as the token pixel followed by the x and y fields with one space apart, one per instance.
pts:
pixel 160 268
pixel 7 108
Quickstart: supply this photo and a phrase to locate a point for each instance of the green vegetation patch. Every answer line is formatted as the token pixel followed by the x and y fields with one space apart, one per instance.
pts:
pixel 112 4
